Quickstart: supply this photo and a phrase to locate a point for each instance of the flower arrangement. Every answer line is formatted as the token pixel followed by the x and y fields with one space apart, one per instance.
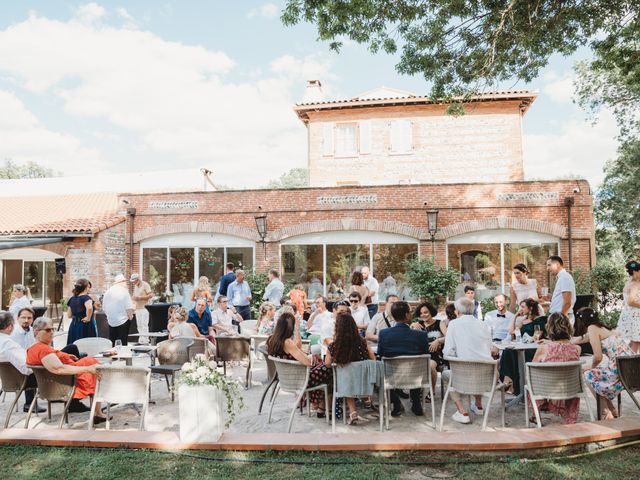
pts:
pixel 201 371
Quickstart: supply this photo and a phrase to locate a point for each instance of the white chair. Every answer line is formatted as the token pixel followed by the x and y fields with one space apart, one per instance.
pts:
pixel 93 345
pixel 122 385
pixel 407 372
pixel 339 391
pixel 473 377
pixel 293 377
pixel 553 381
pixel 248 327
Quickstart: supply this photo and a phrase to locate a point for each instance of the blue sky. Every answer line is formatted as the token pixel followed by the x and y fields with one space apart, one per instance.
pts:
pixel 136 85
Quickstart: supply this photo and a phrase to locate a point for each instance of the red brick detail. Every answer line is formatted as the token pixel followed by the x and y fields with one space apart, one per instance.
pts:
pixel 508 223
pixel 196 227
pixel 349 224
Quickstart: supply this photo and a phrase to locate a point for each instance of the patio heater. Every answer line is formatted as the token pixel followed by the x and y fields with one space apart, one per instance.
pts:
pixel 261 225
pixel 432 226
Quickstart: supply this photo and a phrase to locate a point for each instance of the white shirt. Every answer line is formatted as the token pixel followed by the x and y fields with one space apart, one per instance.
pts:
pixel 318 322
pixel 564 283
pixel 499 325
pixel 115 303
pixel 468 339
pixel 22 338
pixel 378 323
pixel 361 315
pixel 218 317
pixel 17 305
pixel 274 291
pixel 373 287
pixel 13 353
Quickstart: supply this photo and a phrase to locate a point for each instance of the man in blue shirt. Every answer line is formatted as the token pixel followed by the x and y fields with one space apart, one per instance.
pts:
pixel 402 340
pixel 201 318
pixel 227 279
pixel 239 296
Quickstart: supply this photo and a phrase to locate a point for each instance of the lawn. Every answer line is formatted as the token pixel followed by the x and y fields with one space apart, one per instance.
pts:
pixel 22 462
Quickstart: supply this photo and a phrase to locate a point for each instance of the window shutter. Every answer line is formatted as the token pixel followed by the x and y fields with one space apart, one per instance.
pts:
pixel 365 136
pixel 407 136
pixel 327 139
pixel 395 136
pixel 401 136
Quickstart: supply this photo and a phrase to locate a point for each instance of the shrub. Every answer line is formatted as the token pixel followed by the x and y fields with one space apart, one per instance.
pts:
pixel 258 282
pixel 425 279
pixel 608 279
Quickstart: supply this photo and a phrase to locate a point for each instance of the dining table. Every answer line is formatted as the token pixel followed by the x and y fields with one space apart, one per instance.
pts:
pixel 521 348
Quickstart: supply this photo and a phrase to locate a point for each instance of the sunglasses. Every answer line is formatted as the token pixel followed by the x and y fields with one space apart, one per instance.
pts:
pixel 48 330
pixel 354 300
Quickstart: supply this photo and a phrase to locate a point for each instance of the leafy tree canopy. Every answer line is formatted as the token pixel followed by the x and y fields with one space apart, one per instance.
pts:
pixel 11 170
pixel 294 178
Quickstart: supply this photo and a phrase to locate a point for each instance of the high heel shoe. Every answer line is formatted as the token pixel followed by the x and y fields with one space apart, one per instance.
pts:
pixel 353 418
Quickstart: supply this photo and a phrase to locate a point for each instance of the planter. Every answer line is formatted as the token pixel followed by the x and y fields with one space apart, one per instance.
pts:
pixel 202 413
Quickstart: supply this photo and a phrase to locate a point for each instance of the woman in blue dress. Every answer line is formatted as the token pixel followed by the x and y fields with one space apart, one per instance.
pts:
pixel 81 311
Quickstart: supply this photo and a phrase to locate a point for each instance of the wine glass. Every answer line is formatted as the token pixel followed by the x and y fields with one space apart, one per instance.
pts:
pixel 537 333
pixel 118 345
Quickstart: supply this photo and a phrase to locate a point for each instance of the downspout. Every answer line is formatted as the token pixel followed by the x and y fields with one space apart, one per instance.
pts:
pixel 131 213
pixel 569 202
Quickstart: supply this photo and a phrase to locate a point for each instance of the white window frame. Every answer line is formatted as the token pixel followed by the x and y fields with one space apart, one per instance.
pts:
pixel 356 140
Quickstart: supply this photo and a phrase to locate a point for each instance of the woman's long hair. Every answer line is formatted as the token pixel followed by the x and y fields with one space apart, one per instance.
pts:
pixel 357 278
pixel 283 331
pixel 533 307
pixel 203 284
pixel 585 317
pixel 347 339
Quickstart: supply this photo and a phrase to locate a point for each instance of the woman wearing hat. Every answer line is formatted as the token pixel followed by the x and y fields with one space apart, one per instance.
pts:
pixel 629 323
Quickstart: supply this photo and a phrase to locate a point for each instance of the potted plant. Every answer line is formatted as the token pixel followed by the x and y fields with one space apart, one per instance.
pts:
pixel 203 393
pixel 432 282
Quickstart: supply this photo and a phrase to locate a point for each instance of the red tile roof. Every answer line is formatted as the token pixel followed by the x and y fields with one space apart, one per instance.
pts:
pixel 69 214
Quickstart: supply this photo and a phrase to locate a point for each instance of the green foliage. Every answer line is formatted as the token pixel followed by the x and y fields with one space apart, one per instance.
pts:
pixel 583 280
pixel 435 283
pixel 465 46
pixel 609 318
pixel 294 178
pixel 11 169
pixel 258 282
pixel 608 278
pixel 487 304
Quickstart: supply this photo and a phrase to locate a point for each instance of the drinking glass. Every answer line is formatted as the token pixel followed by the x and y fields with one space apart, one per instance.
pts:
pixel 118 345
pixel 537 332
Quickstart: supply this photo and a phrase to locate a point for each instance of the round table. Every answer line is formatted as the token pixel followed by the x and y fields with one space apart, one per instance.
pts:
pixel 520 347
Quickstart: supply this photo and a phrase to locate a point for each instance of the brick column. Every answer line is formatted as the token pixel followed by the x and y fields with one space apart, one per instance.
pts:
pixel 267 256
pixel 427 250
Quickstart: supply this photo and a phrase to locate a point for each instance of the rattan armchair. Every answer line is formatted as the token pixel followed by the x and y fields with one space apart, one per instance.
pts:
pixel 12 381
pixel 93 345
pixel 234 349
pixel 52 388
pixel 272 376
pixel 172 355
pixel 629 371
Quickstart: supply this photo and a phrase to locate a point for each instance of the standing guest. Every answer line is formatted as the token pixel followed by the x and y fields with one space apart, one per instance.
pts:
pixel 629 323
pixel 359 312
pixel 224 320
pixel 402 340
pixel 227 279
pixel 499 320
pixel 266 323
pixel 20 300
pixel 348 346
pixel 522 287
pixel 298 297
pixel 203 289
pixel 470 293
pixel 603 377
pixel 286 343
pixel 142 293
pixel 423 319
pixel 81 308
pixel 23 333
pixel 564 294
pixel 239 296
pixel 373 287
pixel 118 307
pixel 390 285
pixel 275 289
pixel 467 339
pixel 559 349
pixel 319 316
pixel 200 316
pixel 315 287
pixel 357 286
pixel 60 363
pixel 381 320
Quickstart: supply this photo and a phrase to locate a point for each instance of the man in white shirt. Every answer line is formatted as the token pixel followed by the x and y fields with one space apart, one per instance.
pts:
pixel 23 333
pixel 275 289
pixel 373 287
pixel 381 320
pixel 20 300
pixel 467 339
pixel 359 312
pixel 328 328
pixel 142 293
pixel 564 294
pixel 498 320
pixel 223 320
pixel 118 307
pixel 319 316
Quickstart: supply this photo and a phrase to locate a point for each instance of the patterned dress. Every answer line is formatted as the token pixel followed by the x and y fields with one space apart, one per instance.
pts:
pixel 629 324
pixel 318 375
pixel 604 379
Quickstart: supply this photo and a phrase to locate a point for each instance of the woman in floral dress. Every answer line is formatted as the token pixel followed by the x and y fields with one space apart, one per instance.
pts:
pixel 629 324
pixel 603 377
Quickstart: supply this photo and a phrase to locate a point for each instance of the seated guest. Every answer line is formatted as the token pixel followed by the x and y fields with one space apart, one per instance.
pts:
pixel 285 342
pixel 559 349
pixel 359 311
pixel 224 320
pixel 179 328
pixel 318 316
pixel 348 346
pixel 200 316
pixel 450 312
pixel 424 319
pixel 381 320
pixel 528 318
pixel 60 363
pixel 467 339
pixel 499 320
pixel 266 323
pixel 402 340
pixel 328 328
pixel 23 333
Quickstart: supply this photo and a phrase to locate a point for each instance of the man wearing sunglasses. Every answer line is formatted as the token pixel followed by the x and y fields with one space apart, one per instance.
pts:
pixel 359 312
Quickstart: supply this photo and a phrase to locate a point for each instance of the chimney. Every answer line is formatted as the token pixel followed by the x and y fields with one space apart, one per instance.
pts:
pixel 313 94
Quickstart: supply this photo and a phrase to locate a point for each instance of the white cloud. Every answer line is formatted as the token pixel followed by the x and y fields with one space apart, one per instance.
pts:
pixel 90 13
pixel 558 88
pixel 129 21
pixel 175 100
pixel 576 149
pixel 267 10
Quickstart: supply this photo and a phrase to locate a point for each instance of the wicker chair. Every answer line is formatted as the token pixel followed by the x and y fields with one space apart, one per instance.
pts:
pixel 629 371
pixel 123 385
pixel 248 327
pixel 553 381
pixel 293 377
pixel 93 345
pixel 172 354
pixel 337 393
pixel 473 377
pixel 198 347
pixel 12 381
pixel 52 388
pixel 272 376
pixel 234 349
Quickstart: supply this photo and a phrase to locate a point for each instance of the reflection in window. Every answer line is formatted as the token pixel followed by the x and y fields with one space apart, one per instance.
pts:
pixel 342 261
pixel 181 272
pixel 33 276
pixel 212 265
pixel 154 263
pixel 241 257
pixel 53 283
pixel 302 265
pixel 533 256
pixel 479 265
pixel 389 269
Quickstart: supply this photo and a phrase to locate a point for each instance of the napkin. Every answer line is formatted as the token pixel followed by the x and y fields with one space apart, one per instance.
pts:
pixel 526 338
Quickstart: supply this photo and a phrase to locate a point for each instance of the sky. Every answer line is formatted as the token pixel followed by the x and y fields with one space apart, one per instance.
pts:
pixel 137 85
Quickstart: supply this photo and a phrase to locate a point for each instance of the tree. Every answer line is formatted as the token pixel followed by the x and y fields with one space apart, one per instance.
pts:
pixel 427 280
pixel 11 169
pixel 294 178
pixel 618 200
pixel 462 46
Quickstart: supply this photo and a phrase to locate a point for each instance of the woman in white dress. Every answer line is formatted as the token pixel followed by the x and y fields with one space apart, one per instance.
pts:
pixel 629 323
pixel 523 287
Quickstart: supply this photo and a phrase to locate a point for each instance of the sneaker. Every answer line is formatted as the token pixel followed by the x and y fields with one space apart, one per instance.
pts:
pixel 461 417
pixel 476 410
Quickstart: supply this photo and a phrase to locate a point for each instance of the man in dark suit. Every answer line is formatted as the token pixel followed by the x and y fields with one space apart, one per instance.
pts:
pixel 226 280
pixel 403 340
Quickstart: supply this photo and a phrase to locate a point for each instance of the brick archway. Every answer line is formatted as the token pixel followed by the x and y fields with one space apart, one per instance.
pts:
pixel 197 227
pixel 502 223
pixel 348 224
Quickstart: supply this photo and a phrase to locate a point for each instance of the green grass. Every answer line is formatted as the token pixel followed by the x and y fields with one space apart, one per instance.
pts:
pixel 30 462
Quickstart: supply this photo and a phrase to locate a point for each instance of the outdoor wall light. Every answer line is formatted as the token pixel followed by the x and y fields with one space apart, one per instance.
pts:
pixel 261 225
pixel 432 227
